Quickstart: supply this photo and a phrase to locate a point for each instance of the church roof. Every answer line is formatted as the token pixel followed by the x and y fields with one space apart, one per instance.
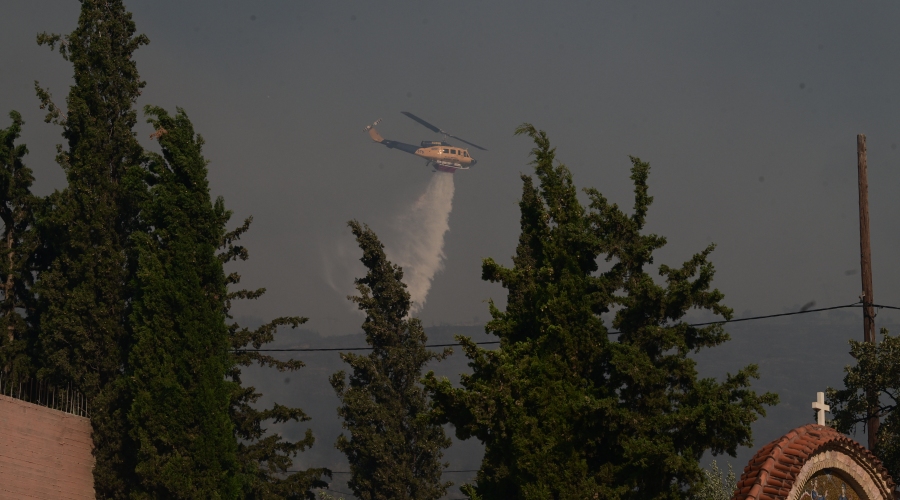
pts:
pixel 772 472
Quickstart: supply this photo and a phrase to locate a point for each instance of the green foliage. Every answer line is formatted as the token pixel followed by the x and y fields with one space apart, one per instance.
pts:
pixel 133 303
pixel 179 417
pixel 877 373
pixel 716 486
pixel 264 457
pixel 394 450
pixel 86 262
pixel 565 412
pixel 17 206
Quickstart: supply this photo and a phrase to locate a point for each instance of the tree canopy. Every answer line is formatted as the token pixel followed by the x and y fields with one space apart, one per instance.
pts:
pixel 86 258
pixel 133 306
pixel 20 241
pixel 569 408
pixel 179 416
pixel 875 375
pixel 394 450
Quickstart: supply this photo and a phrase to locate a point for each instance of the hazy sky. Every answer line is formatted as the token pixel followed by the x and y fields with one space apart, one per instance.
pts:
pixel 747 112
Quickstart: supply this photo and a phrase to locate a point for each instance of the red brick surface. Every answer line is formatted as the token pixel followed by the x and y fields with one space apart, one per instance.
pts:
pixel 44 453
pixel 771 473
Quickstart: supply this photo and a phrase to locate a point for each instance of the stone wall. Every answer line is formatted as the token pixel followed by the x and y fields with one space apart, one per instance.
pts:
pixel 44 453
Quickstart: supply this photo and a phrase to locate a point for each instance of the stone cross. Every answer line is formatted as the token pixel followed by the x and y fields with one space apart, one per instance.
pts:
pixel 820 407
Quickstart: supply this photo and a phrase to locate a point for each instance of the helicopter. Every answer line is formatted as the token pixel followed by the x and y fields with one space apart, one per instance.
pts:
pixel 440 155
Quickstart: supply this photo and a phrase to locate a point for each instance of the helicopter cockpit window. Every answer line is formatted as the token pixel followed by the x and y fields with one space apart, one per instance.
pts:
pixel 465 154
pixel 453 151
pixel 445 151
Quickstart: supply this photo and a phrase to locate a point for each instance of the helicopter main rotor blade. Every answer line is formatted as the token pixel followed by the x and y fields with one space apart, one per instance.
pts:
pixel 435 129
pixel 467 142
pixel 422 122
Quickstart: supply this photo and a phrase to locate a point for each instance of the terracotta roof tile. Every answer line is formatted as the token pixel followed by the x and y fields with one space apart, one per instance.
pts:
pixel 770 474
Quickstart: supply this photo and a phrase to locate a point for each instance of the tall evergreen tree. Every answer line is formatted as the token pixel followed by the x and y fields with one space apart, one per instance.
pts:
pixel 563 410
pixel 17 206
pixel 265 458
pixel 394 449
pixel 179 417
pixel 86 229
pixel 87 285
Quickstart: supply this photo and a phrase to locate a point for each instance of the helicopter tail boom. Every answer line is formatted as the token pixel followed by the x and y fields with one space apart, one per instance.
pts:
pixel 406 148
pixel 375 135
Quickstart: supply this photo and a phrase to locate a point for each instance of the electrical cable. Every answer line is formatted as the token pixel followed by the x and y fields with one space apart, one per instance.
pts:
pixel 348 472
pixel 494 342
pixel 325 349
pixel 855 304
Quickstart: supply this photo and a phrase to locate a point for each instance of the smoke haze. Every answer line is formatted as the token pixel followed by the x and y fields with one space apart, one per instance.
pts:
pixel 419 247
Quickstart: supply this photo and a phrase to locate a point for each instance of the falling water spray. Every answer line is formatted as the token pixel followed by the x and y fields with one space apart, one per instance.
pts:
pixel 420 246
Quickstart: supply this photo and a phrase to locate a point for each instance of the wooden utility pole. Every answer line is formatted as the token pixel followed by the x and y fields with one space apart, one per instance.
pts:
pixel 865 264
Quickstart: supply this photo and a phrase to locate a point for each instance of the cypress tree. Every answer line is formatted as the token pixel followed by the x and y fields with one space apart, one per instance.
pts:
pixel 86 229
pixel 179 417
pixel 563 410
pixel 88 287
pixel 394 450
pixel 265 458
pixel 17 206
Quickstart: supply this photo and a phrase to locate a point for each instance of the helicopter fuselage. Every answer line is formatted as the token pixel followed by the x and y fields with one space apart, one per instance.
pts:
pixel 441 155
pixel 444 153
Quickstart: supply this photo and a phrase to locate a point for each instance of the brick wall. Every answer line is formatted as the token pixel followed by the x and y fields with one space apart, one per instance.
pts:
pixel 44 453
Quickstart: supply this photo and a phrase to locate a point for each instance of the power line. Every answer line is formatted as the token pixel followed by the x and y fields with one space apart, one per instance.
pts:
pixel 806 311
pixel 348 472
pixel 495 342
pixel 324 349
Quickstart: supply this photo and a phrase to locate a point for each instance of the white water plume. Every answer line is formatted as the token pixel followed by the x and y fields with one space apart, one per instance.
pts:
pixel 420 246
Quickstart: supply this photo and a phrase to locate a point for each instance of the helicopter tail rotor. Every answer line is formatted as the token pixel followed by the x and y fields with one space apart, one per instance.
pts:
pixel 370 127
